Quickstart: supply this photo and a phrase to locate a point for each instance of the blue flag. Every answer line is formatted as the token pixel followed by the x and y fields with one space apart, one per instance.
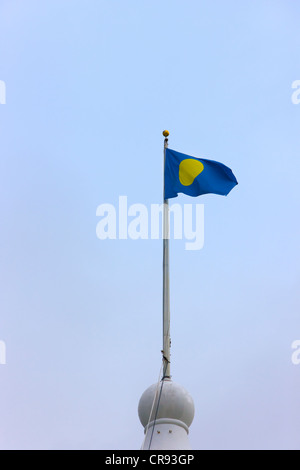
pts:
pixel 195 176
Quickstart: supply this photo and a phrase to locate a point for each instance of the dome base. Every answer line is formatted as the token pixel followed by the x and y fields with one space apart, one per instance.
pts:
pixel 166 434
pixel 166 411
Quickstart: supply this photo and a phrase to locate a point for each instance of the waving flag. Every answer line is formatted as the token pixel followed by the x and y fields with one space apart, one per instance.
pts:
pixel 196 176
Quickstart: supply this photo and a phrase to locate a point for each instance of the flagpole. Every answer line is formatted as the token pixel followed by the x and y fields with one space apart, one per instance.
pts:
pixel 166 280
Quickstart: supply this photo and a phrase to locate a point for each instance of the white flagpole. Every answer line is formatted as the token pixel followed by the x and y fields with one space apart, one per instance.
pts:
pixel 166 281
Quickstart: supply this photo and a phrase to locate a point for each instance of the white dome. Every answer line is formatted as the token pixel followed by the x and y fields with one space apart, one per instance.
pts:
pixel 175 403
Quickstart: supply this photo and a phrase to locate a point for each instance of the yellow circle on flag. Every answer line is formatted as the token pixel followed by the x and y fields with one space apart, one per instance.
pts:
pixel 189 169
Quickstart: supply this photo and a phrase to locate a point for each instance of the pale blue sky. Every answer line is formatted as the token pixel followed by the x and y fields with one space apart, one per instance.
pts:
pixel 90 87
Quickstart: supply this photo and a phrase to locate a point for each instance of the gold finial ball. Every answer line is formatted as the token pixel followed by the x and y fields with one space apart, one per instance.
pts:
pixel 166 133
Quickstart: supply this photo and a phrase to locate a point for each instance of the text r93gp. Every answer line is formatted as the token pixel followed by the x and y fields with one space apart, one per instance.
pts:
pixel 171 459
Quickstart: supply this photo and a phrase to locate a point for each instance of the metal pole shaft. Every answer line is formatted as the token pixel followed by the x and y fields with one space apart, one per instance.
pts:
pixel 166 281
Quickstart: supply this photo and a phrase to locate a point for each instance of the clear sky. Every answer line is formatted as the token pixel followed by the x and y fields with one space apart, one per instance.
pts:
pixel 90 85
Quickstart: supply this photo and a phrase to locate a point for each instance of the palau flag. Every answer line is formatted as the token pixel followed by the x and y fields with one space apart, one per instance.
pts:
pixel 195 176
